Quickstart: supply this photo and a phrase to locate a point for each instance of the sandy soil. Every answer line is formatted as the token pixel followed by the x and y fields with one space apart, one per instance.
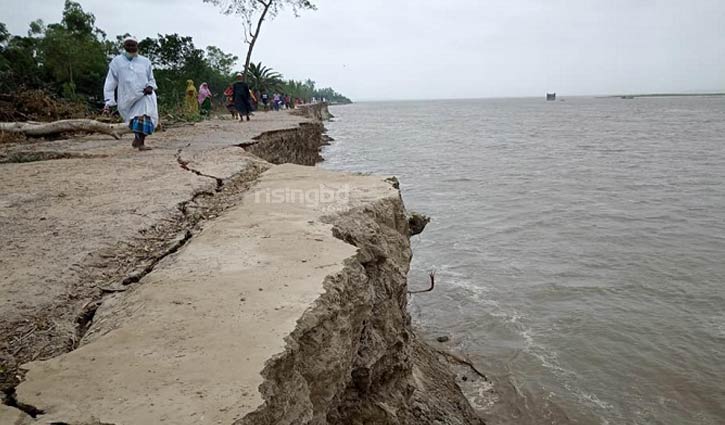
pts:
pixel 73 229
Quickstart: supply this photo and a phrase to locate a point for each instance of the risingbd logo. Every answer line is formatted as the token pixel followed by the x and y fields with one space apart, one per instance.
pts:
pixel 323 196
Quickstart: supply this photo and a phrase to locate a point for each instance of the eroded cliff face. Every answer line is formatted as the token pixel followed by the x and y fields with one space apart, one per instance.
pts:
pixel 353 357
pixel 315 111
pixel 292 146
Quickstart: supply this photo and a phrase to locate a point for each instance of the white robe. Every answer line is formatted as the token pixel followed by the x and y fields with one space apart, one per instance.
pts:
pixel 131 77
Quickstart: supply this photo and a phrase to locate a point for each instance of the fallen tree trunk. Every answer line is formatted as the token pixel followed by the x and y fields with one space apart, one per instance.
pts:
pixel 34 129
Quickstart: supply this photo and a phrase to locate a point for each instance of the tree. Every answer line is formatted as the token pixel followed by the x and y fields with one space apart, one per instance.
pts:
pixel 254 13
pixel 176 60
pixel 4 63
pixel 263 79
pixel 299 90
pixel 20 64
pixel 219 61
pixel 168 51
pixel 306 91
pixel 72 51
pixel 70 58
pixel 76 21
pixel 330 95
pixel 4 35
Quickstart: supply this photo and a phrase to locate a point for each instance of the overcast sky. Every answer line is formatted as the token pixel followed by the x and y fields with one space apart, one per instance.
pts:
pixel 413 49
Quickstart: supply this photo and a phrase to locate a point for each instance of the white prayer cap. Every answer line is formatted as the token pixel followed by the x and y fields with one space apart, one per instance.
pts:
pixel 130 37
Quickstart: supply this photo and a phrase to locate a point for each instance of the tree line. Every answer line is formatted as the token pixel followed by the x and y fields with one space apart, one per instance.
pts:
pixel 70 58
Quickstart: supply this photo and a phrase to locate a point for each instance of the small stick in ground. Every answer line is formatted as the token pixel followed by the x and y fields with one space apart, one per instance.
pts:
pixel 432 276
pixel 461 360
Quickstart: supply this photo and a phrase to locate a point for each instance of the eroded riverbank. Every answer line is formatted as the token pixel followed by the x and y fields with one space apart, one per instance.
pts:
pixel 179 295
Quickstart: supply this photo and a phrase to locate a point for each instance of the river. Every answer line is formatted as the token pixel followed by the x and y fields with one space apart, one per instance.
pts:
pixel 579 246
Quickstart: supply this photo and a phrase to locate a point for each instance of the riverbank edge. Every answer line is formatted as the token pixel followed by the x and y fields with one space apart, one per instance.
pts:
pixel 392 377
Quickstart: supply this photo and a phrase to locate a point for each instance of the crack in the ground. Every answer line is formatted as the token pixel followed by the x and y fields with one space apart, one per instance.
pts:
pixel 245 145
pixel 84 320
pixel 175 246
pixel 10 399
pixel 36 156
pixel 183 206
pixel 185 166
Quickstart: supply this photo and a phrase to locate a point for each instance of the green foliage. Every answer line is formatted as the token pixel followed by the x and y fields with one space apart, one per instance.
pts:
pixel 306 90
pixel 170 51
pixel 220 61
pixel 176 59
pixel 73 54
pixel 263 79
pixel 70 59
pixel 76 21
pixel 20 64
pixel 300 90
pixel 331 96
pixel 4 35
pixel 37 28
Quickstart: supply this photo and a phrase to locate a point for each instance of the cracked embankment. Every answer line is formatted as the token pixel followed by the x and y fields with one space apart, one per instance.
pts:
pixel 273 313
pixel 61 325
pixel 296 146
pixel 157 242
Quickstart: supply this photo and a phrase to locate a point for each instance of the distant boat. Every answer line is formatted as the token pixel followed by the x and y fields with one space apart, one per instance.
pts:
pixel 627 97
pixel 550 96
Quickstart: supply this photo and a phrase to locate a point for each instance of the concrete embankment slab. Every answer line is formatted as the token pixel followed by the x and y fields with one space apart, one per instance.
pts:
pixel 71 226
pixel 187 345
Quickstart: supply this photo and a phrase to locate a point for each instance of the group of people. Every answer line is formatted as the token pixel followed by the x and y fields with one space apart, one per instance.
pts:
pixel 240 100
pixel 263 102
pixel 130 86
pixel 277 102
pixel 197 101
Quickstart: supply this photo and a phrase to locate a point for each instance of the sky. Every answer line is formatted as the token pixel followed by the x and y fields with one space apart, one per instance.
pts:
pixel 428 49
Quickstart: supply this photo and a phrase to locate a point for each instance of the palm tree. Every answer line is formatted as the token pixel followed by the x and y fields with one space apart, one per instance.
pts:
pixel 264 79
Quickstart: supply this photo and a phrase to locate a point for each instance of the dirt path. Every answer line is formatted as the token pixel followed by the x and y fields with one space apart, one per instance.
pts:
pixel 86 217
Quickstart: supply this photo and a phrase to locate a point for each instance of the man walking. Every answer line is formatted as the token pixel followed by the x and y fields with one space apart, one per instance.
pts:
pixel 131 76
pixel 242 97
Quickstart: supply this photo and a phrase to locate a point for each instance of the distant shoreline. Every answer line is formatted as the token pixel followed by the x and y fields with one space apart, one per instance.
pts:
pixel 632 96
pixel 562 96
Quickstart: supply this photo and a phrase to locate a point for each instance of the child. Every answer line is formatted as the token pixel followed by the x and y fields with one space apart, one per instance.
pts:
pixel 229 95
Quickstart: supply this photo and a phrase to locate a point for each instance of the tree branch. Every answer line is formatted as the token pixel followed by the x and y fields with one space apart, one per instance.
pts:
pixel 257 29
pixel 65 126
